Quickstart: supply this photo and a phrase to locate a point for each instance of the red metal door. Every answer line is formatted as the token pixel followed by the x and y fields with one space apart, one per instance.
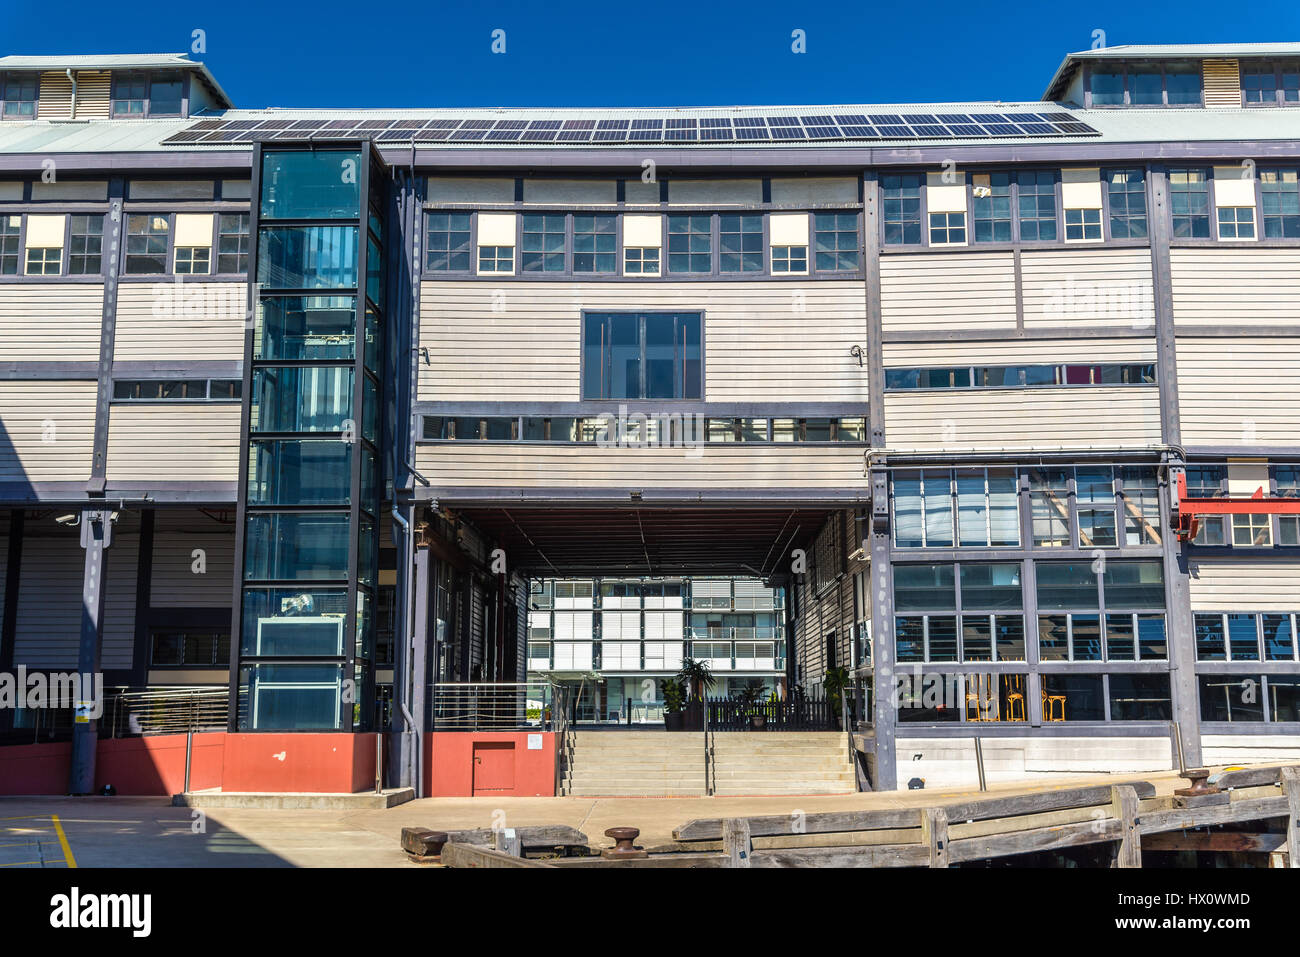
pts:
pixel 494 767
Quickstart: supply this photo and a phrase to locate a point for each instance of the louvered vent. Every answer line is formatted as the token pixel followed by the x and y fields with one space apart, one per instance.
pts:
pixel 1222 83
pixel 93 91
pixel 56 96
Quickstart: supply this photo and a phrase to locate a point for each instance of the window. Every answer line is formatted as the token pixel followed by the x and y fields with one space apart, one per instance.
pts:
pixel 1183 84
pixel 647 356
pixel 166 92
pixel 690 244
pixel 193 260
pixel 1127 194
pixel 1189 198
pixel 1288 486
pixel 1037 205
pixel 595 244
pixel 902 208
pixel 19 92
pixel 1141 505
pixel 1259 84
pixel 789 259
pixel 1207 481
pixel 1140 698
pixel 146 244
pixel 1118 622
pixel 85 245
pixel 1231 697
pixel 177 390
pixel 947 229
pixel 836 239
pixel 1252 531
pixel 1049 503
pixel 232 243
pixel 446 240
pixel 989 628
pixel 983 501
pixel 1018 377
pixel 641 261
pixel 1095 495
pixel 1107 87
pixel 1083 225
pixel 1280 203
pixel 543 243
pixel 46 261
pixel 991 207
pixel 129 94
pixel 740 244
pixel 496 259
pixel 191 649
pixel 1236 222
pixel 11 228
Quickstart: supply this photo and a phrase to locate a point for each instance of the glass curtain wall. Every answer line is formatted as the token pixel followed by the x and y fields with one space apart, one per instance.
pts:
pixel 312 486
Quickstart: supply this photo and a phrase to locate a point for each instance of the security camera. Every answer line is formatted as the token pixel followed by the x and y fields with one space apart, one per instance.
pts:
pixel 73 519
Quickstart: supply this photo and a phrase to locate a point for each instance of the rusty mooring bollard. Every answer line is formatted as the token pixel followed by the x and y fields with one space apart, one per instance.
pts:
pixel 623 849
pixel 1199 778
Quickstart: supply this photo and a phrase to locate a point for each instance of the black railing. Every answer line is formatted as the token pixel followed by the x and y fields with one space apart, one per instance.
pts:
pixel 798 713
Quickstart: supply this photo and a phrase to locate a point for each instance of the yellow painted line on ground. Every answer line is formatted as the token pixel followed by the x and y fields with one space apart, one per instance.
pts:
pixel 63 842
pixel 21 863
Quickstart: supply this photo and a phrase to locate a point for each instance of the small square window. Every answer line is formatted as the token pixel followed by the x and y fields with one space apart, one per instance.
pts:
pixel 1236 222
pixel 193 260
pixel 44 261
pixel 496 259
pixel 1252 531
pixel 641 261
pixel 446 242
pixel 19 95
pixel 947 229
pixel 1083 225
pixel 789 259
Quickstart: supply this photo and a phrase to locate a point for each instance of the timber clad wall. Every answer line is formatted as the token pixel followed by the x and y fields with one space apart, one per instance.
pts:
pixel 521 341
pixel 945 290
pixel 832 610
pixel 119 595
pixel 1238 285
pixel 1242 584
pixel 1239 391
pixel 487 465
pixel 47 430
pixel 174 583
pixel 48 628
pixel 184 442
pixel 1088 287
pixel 191 320
pixel 29 312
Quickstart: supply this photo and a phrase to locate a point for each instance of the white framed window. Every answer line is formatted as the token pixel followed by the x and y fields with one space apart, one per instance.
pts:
pixel 1236 222
pixel 1252 531
pixel 192 255
pixel 44 261
pixel 1083 226
pixel 947 229
pixel 193 260
pixel 790 259
pixel 496 259
pixel 45 236
pixel 641 261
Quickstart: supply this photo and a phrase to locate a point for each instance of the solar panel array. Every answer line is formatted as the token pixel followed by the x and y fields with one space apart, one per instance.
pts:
pixel 611 130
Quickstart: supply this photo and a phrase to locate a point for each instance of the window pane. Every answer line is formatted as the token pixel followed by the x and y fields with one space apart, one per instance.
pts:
pixel 976 638
pixel 993 586
pixel 1279 641
pixel 1283 698
pixel 307 257
pixel 1009 632
pixel 907 510
pixel 1134 584
pixel 943 638
pixel 924 587
pixel 296 546
pixel 299 472
pixel 938 509
pixel 1066 585
pixel 1140 698
pixel 1085 630
pixel 1054 637
pixel 1243 639
pixel 1231 697
pixel 1119 638
pixel 315 184
pixel 291 697
pixel 909 638
pixel 1209 638
pixel 1152 643
pixel 310 399
pixel 1072 698
pixel 305 327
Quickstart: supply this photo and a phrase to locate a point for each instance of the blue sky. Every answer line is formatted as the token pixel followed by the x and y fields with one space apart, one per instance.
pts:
pixel 628 53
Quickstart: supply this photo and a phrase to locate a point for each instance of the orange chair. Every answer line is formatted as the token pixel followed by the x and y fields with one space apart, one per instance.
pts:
pixel 1016 702
pixel 1051 712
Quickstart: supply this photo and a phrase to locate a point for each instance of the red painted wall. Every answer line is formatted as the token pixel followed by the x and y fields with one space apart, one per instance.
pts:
pixel 152 765
pixel 316 763
pixel 155 765
pixel 449 763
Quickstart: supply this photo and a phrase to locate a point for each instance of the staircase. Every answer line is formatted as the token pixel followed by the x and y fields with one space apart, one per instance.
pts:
pixel 663 764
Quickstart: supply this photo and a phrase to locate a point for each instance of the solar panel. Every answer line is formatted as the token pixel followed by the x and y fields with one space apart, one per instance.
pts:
pixel 673 129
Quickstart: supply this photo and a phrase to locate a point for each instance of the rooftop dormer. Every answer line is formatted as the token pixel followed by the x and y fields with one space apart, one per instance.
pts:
pixel 129 86
pixel 1209 75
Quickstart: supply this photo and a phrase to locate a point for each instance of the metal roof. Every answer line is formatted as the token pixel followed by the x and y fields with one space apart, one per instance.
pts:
pixel 116 61
pixel 1167 51
pixel 1133 125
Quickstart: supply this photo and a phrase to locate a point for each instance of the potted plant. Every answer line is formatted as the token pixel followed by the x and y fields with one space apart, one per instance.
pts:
pixel 674 705
pixel 751 699
pixel 835 683
pixel 698 678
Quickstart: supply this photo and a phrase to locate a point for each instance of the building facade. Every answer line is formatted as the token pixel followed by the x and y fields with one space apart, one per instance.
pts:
pixel 1001 397
pixel 614 641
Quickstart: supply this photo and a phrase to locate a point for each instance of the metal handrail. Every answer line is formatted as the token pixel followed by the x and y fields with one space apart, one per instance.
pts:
pixel 168 710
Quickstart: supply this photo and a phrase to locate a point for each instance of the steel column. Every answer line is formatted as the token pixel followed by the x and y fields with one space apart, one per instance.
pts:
pixel 96 536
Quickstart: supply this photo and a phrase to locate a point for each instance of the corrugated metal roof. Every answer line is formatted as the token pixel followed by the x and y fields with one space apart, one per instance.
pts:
pixel 1115 126
pixel 1188 51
